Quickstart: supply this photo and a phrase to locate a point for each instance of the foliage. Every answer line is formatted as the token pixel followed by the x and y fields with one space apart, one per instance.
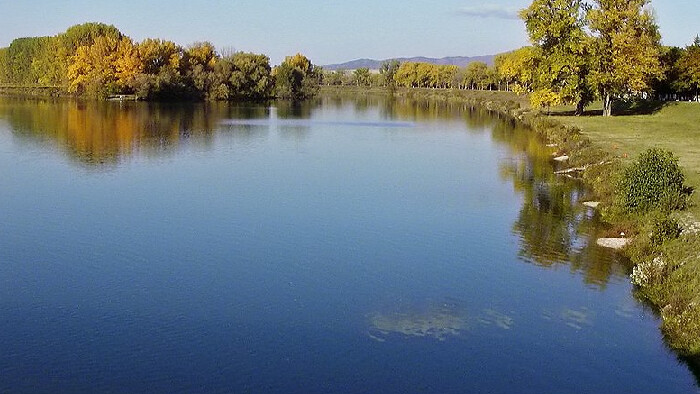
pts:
pixel 250 76
pixel 517 69
pixel 655 181
pixel 97 60
pixel 336 78
pixel 545 98
pixel 609 46
pixel 388 70
pixel 557 29
pixel 362 77
pixel 18 59
pixel 664 228
pixel 296 78
pixel 93 68
pixel 626 48
pixel 667 85
pixel 478 75
pixel 688 67
pixel 426 75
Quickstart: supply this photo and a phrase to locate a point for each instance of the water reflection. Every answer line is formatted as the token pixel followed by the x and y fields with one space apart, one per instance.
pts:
pixel 572 318
pixel 436 321
pixel 103 133
pixel 553 227
pixel 441 322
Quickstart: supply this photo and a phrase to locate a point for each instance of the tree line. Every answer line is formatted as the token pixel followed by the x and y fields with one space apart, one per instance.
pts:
pixel 97 60
pixel 582 50
pixel 476 75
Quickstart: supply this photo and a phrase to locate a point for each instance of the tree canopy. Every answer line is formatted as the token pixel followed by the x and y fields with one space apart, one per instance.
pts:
pixel 608 46
pixel 296 78
pixel 97 60
pixel 626 46
pixel 557 29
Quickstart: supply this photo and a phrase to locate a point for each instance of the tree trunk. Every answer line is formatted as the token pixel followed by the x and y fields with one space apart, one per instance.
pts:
pixel 607 104
pixel 579 108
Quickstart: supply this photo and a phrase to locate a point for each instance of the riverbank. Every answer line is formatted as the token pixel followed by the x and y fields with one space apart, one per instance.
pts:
pixel 668 275
pixel 33 91
pixel 598 149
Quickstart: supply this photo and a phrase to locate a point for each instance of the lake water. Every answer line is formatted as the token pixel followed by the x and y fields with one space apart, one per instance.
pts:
pixel 341 246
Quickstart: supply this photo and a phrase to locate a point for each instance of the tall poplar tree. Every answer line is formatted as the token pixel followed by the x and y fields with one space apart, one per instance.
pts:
pixel 626 48
pixel 557 30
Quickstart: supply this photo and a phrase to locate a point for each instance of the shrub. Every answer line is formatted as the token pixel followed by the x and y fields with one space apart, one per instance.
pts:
pixel 664 228
pixel 655 181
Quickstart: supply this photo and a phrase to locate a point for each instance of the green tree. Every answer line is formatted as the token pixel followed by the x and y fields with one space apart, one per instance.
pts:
pixel 296 78
pixel 626 49
pixel 361 77
pixel 251 76
pixel 5 76
pixel 669 84
pixel 197 67
pixel 689 69
pixel 336 78
pixel 557 29
pixel 388 70
pixel 160 78
pixel 49 65
pixel 20 55
pixel 85 35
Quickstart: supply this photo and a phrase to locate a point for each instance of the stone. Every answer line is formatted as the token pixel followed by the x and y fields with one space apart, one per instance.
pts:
pixel 613 243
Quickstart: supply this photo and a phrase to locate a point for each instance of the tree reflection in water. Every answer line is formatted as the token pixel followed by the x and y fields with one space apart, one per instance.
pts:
pixel 554 228
pixel 105 133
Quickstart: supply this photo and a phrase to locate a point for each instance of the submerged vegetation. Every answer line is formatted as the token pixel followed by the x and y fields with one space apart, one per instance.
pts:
pixel 97 60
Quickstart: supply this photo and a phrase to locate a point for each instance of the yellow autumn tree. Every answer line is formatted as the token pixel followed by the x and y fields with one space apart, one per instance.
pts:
pixel 127 64
pixel 108 66
pixel 92 69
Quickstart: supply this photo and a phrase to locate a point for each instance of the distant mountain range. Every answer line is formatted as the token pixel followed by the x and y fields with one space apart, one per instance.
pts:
pixel 372 64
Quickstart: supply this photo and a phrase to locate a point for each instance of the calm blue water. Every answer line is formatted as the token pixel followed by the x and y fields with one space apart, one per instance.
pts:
pixel 339 246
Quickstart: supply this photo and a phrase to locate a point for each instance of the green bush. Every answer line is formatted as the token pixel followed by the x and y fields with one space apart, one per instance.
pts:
pixel 655 181
pixel 664 228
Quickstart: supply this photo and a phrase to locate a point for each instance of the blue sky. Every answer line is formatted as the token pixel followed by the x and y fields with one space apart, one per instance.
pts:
pixel 326 31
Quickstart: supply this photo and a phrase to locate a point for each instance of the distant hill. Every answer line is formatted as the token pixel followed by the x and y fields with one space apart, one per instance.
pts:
pixel 372 64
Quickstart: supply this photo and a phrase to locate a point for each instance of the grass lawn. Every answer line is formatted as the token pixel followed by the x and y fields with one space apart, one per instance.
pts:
pixel 674 126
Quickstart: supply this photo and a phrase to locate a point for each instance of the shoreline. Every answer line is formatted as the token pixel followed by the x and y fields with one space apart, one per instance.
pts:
pixel 680 323
pixel 597 168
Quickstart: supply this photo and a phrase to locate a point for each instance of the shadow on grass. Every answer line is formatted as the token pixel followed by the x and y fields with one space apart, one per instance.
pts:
pixel 645 107
pixel 620 108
